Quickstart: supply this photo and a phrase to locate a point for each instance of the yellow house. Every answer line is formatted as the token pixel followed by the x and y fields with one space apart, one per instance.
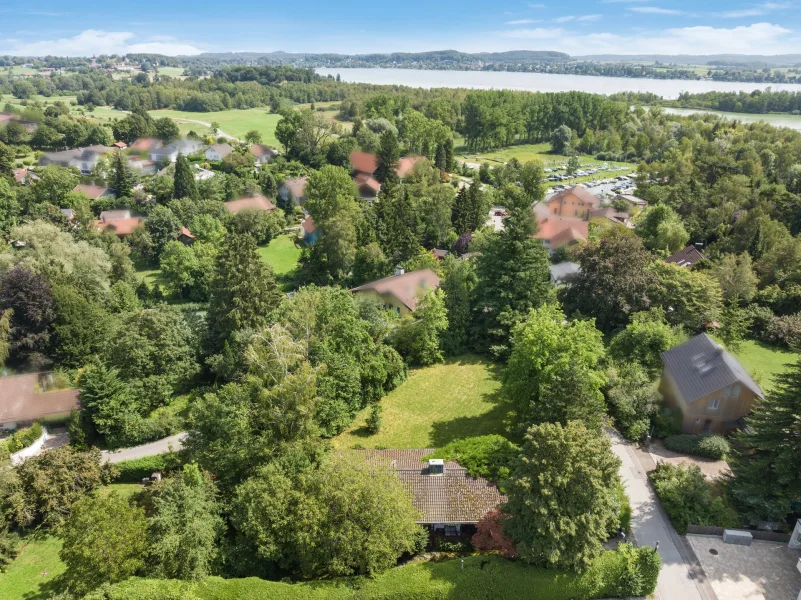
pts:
pixel 402 291
pixel 710 387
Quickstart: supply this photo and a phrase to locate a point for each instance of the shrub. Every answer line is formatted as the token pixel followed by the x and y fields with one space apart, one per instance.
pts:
pixel 689 498
pixel 133 471
pixel 785 331
pixel 491 537
pixel 24 438
pixel 636 572
pixel 441 545
pixel 9 546
pixel 488 456
pixel 624 509
pixel 667 422
pixel 374 419
pixel 707 446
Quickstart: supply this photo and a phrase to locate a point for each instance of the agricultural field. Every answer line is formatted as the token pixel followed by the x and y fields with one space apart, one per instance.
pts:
pixel 233 122
pixel 434 406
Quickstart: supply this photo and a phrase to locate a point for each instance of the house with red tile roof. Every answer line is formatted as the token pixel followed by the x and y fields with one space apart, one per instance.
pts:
pixel 255 202
pixel 402 291
pixel 309 231
pixel 25 176
pixel 93 192
pixel 262 153
pixel 185 236
pixel 26 398
pixel 363 162
pixel 556 232
pixel 118 221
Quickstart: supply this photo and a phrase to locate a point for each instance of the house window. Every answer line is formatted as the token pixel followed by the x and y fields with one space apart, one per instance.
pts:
pixel 714 403
pixel 726 391
pixel 698 421
pixel 735 390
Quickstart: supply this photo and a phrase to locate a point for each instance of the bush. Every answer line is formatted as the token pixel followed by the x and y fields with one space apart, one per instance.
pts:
pixel 488 456
pixel 441 545
pixel 785 331
pixel 689 498
pixel 133 471
pixel 667 422
pixel 24 438
pixel 636 572
pixel 707 446
pixel 624 509
pixel 374 419
pixel 141 430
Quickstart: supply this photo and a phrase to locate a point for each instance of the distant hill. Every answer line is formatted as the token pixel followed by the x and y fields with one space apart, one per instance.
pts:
pixel 751 60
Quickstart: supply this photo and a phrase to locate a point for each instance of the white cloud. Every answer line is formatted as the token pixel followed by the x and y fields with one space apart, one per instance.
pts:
pixel 747 12
pixel 540 6
pixel 588 18
pixel 522 22
pixel 622 1
pixel 565 19
pixel 93 41
pixel 655 10
pixel 759 38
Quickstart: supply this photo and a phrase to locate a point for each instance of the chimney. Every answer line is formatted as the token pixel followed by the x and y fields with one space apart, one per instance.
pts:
pixel 399 270
pixel 436 466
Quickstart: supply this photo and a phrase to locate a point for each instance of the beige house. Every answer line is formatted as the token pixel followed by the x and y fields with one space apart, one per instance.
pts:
pixel 708 385
pixel 575 202
pixel 401 292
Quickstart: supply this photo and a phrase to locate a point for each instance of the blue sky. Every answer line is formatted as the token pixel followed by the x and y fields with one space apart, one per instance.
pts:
pixel 574 26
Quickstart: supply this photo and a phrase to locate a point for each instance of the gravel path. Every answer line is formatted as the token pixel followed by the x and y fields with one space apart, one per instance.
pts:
pixel 174 442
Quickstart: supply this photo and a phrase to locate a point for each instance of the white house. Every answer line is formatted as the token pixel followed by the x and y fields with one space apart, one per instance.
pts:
pixel 170 152
pixel 218 151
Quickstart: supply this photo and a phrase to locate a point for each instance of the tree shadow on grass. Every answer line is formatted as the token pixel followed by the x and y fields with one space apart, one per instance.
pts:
pixel 47 589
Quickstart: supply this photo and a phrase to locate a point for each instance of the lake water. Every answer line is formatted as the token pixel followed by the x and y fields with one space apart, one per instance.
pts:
pixel 543 82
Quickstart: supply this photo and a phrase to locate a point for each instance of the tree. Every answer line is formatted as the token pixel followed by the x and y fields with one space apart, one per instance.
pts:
pixel 458 282
pixel 387 158
pixel 105 541
pixel 243 291
pixel 54 184
pixel 644 340
pixel 370 264
pixel 186 527
pixel 5 335
pixel 662 230
pixel 694 297
pixel 253 137
pixel 81 328
pixel 513 277
pixel 561 496
pixel 29 298
pixel 553 373
pixel 736 277
pixel 121 179
pixel 560 139
pixel 417 336
pixel 614 281
pixel 43 489
pixel 358 514
pixel 573 164
pixel 398 224
pixel 184 185
pixel 490 536
pixel 179 267
pixel 765 470
pixel 9 207
pixel 633 400
pixel 166 129
pixel 163 227
pixel 107 404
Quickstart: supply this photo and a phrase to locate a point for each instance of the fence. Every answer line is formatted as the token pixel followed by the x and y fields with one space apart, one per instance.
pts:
pixel 765 536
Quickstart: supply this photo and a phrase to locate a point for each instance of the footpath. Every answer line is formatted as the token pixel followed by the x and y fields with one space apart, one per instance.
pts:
pixel 174 442
pixel 681 577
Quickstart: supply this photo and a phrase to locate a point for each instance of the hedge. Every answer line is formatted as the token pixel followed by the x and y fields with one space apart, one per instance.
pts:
pixel 624 573
pixel 23 438
pixel 707 446
pixel 133 471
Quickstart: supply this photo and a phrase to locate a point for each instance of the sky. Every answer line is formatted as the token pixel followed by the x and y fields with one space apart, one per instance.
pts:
pixel 578 27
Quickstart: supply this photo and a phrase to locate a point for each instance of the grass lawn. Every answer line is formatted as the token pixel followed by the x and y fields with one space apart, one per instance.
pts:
pixel 281 254
pixel 764 362
pixel 233 122
pixel 171 71
pixel 434 406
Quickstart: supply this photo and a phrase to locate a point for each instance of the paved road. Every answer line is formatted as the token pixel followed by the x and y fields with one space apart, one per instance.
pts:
pixel 158 447
pixel 649 525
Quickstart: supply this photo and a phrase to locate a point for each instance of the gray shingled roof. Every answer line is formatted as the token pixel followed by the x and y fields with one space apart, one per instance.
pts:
pixel 451 498
pixel 701 366
pixel 686 257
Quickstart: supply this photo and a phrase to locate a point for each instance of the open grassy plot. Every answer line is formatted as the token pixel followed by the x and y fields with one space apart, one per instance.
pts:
pixel 34 574
pixel 171 71
pixel 764 362
pixel 233 122
pixel 436 405
pixel 281 254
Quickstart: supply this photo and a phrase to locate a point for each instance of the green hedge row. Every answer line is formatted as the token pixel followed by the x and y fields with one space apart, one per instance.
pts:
pixel 627 572
pixel 133 471
pixel 23 438
pixel 706 446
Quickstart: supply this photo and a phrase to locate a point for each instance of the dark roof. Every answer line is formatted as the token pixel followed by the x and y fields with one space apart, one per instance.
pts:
pixel 686 258
pixel 701 366
pixel 453 497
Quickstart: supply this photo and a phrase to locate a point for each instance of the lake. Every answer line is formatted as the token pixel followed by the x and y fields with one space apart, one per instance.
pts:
pixel 543 82
pixel 775 119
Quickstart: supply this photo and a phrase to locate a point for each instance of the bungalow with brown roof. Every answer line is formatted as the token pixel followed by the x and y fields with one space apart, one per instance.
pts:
pixel 93 192
pixel 26 398
pixel 363 162
pixel 448 499
pixel 118 221
pixel 403 291
pixel 368 186
pixel 146 145
pixel 25 176
pixel 120 145
pixel 254 202
pixel 262 153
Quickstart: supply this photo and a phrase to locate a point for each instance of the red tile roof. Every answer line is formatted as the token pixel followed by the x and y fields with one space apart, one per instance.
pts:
pixel 256 201
pixel 297 187
pixel 186 232
pixel 407 288
pixel 558 231
pixel 22 174
pixel 451 498
pixel 406 165
pixel 121 227
pixel 309 226
pixel 260 150
pixel 363 162
pixel 146 144
pixel 20 402
pixel 363 179
pixel 120 145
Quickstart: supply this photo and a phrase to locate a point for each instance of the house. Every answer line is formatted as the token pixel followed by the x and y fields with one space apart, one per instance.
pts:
pixel 68 213
pixel 294 190
pixel 555 232
pixel 120 145
pixel 25 176
pixel 218 151
pixel 26 398
pixel 686 257
pixel 170 152
pixel 201 174
pixel 83 159
pixel 146 145
pixel 612 216
pixel 28 126
pixel 309 231
pixel 449 501
pixel 262 153
pixel 632 200
pixel 368 186
pixel 574 202
pixel 406 165
pixel 562 273
pixel 143 166
pixel 185 236
pixel 254 202
pixel 119 221
pixel 363 162
pixel 708 385
pixel 439 254
pixel 93 192
pixel 403 291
